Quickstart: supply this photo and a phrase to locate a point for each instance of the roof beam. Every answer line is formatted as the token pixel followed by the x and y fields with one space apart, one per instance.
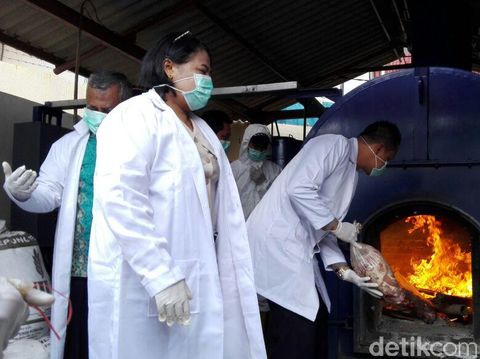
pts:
pixel 250 90
pixel 35 51
pixel 228 30
pixel 163 15
pixel 340 73
pixel 234 106
pixel 91 28
pixel 331 93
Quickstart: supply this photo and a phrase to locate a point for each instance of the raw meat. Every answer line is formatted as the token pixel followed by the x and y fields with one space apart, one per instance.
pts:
pixel 369 262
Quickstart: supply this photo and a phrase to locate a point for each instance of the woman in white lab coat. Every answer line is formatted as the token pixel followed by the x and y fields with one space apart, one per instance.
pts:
pixel 169 240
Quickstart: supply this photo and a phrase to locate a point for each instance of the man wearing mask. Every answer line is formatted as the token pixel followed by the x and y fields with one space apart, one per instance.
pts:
pixel 66 181
pixel 302 216
pixel 221 124
pixel 252 171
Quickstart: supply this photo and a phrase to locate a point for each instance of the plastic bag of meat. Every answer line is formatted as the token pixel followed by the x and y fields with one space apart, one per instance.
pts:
pixel 369 262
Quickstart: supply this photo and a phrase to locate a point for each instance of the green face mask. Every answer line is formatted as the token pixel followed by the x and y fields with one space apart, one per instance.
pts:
pixel 376 171
pixel 226 145
pixel 199 96
pixel 93 119
pixel 257 156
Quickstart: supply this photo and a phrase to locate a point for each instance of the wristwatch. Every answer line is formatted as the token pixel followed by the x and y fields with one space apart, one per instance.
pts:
pixel 340 272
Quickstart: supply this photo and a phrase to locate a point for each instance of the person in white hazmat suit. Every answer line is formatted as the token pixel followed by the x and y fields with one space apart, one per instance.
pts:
pixel 302 215
pixel 253 173
pixel 66 181
pixel 170 270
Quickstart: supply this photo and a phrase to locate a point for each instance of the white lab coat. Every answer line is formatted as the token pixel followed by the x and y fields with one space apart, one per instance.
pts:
pixel 58 187
pixel 285 232
pixel 250 192
pixel 151 228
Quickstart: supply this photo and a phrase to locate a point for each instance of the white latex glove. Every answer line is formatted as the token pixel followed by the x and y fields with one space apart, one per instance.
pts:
pixel 348 232
pixel 361 282
pixel 173 304
pixel 257 175
pixel 21 183
pixel 31 295
pixel 13 312
pixel 15 297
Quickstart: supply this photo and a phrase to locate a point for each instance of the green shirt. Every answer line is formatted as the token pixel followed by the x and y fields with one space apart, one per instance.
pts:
pixel 83 223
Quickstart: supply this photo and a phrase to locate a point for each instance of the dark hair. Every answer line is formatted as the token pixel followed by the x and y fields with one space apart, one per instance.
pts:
pixel 383 132
pixel 216 119
pixel 102 80
pixel 175 46
pixel 261 140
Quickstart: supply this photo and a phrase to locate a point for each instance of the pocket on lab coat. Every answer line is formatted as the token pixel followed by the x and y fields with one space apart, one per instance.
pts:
pixel 190 269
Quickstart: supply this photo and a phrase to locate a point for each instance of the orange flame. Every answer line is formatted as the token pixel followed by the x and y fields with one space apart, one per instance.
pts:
pixel 448 270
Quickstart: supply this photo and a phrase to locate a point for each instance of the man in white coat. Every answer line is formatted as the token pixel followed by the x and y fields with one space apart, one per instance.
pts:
pixel 301 215
pixel 253 172
pixel 66 181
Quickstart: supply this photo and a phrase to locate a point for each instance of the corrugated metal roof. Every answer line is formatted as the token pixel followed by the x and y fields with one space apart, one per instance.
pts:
pixel 307 41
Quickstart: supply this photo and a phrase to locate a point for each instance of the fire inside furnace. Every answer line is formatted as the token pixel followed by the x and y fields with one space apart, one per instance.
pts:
pixel 433 256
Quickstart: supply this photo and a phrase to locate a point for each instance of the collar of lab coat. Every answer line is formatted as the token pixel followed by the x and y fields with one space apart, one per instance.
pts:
pixel 156 100
pixel 353 144
pixel 81 127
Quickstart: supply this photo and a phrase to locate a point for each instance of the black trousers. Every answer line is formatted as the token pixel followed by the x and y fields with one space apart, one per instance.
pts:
pixel 291 336
pixel 76 343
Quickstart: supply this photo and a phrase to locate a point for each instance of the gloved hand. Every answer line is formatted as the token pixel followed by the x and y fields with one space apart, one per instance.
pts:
pixel 15 297
pixel 13 312
pixel 21 183
pixel 257 175
pixel 31 295
pixel 173 304
pixel 362 282
pixel 348 232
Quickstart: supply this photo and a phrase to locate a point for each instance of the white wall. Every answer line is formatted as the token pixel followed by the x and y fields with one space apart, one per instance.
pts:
pixel 27 77
pixel 26 81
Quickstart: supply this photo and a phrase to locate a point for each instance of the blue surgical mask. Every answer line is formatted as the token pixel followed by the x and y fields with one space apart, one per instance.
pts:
pixel 226 145
pixel 257 156
pixel 376 171
pixel 93 119
pixel 199 96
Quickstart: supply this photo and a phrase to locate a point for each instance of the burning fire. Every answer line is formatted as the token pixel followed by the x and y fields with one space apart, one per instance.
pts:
pixel 448 270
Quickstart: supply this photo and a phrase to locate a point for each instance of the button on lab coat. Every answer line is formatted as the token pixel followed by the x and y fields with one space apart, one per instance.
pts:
pixel 151 228
pixel 284 229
